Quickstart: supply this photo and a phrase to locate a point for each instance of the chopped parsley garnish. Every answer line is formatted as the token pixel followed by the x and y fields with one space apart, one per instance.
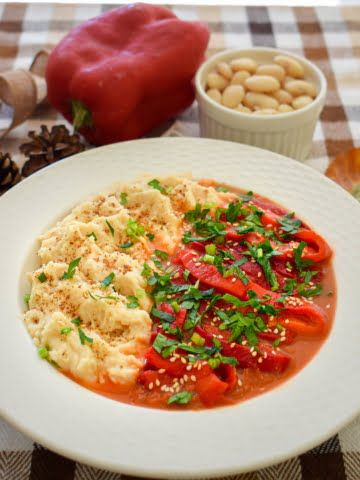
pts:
pixel 162 315
pixel 146 271
pixel 262 253
pixel 123 198
pixel 150 236
pixel 134 230
pixel 43 353
pixel 181 398
pixel 247 197
pixel 83 337
pixel 133 301
pixel 157 186
pixel 42 277
pixel 126 245
pixel 76 321
pixel 307 291
pixel 103 297
pixel 241 324
pixel 71 269
pixel 289 224
pixel 27 298
pixel 221 189
pixel 108 280
pixel 161 254
pixel 164 345
pixel 233 211
pixel 299 262
pixel 111 228
pixel 276 342
pixel 92 234
pixel 236 271
pixel 186 274
pixel 65 330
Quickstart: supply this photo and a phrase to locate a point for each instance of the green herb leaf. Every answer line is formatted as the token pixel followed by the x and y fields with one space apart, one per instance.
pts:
pixel 108 280
pixel 233 211
pixel 43 353
pixel 146 271
pixel 123 198
pixel 27 298
pixel 133 301
pixel 162 315
pixel 247 197
pixel 65 330
pixel 181 398
pixel 161 254
pixel 299 262
pixel 157 186
pixel 81 114
pixel 111 228
pixel 221 189
pixel 71 269
pixel 92 234
pixel 186 274
pixel 83 337
pixel 42 277
pixel 126 245
pixel 150 236
pixel 288 224
pixel 76 321
pixel 134 230
pixel 164 345
pixel 276 342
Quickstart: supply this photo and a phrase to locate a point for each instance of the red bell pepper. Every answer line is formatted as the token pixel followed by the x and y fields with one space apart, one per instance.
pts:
pixel 117 76
pixel 305 319
pixel 210 389
pixel 209 275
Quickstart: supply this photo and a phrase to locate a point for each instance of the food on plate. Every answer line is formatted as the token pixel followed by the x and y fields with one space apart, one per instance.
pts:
pixel 177 293
pixel 247 86
pixel 345 170
pixel 117 76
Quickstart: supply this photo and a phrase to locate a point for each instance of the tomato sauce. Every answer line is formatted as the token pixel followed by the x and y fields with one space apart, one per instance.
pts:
pixel 274 317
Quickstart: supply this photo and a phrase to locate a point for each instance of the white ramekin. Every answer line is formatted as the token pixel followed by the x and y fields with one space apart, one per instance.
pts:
pixel 286 133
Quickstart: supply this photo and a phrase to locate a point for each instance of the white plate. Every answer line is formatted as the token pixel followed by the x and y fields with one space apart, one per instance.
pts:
pixel 90 428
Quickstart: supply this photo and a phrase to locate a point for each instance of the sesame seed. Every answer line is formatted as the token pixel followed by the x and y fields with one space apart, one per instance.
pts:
pixel 189 367
pixel 282 333
pixel 259 274
pixel 151 385
pixel 176 384
pixel 232 345
pixel 197 264
pixel 162 370
pixel 157 382
pixel 276 330
pixel 233 280
pixel 260 360
pixel 163 388
pixel 282 339
pixel 244 342
pixel 186 378
pixel 328 305
pixel 265 355
pixel 181 381
pixel 239 383
pixel 193 378
pixel 254 354
pixel 172 359
pixel 287 321
pixel 183 360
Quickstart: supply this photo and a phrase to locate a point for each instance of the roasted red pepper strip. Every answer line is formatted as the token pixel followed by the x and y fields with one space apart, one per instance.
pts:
pixel 125 71
pixel 210 389
pixel 274 361
pixel 305 319
pixel 322 250
pixel 209 275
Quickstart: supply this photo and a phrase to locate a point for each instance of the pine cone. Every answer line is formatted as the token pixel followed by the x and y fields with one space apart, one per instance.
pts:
pixel 9 172
pixel 48 147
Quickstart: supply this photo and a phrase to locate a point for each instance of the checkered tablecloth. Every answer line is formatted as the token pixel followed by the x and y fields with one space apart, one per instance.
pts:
pixel 328 36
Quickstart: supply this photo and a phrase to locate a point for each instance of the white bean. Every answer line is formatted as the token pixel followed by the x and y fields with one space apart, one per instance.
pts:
pixel 271 69
pixel 301 102
pixel 261 100
pixel 214 80
pixel 262 83
pixel 243 63
pixel 266 111
pixel 282 96
pixel 291 66
pixel 241 108
pixel 301 87
pixel 240 77
pixel 233 95
pixel 284 108
pixel 214 94
pixel 224 69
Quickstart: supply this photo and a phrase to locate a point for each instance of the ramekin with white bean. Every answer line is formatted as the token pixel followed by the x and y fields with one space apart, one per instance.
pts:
pixel 261 96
